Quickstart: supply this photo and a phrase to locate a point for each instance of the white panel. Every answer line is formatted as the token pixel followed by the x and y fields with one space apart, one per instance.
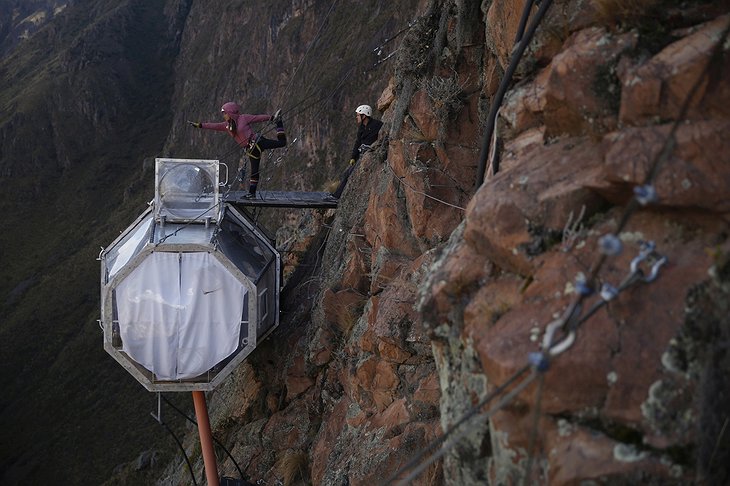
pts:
pixel 212 305
pixel 148 301
pixel 121 255
pixel 180 314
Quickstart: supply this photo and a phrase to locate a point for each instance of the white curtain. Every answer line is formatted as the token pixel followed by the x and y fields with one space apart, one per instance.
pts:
pixel 180 313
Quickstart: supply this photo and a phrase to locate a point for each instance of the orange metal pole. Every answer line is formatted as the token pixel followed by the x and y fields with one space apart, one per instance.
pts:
pixel 206 438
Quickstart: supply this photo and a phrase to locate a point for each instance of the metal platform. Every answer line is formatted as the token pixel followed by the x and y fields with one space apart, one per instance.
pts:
pixel 283 199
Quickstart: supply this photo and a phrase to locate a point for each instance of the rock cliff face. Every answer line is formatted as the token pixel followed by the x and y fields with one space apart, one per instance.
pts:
pixel 420 296
pixel 430 295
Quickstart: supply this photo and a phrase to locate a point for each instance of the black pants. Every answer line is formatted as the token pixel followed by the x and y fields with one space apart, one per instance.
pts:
pixel 254 154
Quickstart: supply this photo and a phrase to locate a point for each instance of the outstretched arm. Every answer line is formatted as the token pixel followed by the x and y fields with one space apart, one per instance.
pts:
pixel 217 126
pixel 221 126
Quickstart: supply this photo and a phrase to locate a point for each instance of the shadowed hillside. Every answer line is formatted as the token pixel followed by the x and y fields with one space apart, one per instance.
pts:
pixel 82 102
pixel 86 103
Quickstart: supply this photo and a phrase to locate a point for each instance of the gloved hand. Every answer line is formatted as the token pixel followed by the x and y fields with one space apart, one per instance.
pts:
pixel 352 161
pixel 196 124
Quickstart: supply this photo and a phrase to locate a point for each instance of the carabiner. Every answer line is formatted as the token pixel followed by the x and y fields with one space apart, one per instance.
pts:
pixel 552 328
pixel 647 248
pixel 655 269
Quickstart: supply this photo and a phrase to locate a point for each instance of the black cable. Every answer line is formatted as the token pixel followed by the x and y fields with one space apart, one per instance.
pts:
pixel 523 20
pixel 182 449
pixel 473 411
pixel 190 419
pixel 503 85
pixel 443 450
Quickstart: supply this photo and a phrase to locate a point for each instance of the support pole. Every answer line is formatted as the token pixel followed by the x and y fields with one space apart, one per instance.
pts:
pixel 206 438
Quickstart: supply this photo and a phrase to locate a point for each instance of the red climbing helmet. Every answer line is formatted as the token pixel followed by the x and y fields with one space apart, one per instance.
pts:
pixel 231 108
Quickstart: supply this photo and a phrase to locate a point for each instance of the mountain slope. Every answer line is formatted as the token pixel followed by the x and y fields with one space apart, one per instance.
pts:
pixel 85 103
pixel 77 118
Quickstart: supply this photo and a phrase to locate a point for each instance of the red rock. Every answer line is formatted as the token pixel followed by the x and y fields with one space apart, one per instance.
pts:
pixel 379 379
pixel 387 96
pixel 537 190
pixel 342 307
pixel 387 268
pixel 248 389
pixel 288 428
pixel 502 21
pixel 320 348
pixel 326 440
pixel 580 455
pixel 566 96
pixel 386 220
pixel 493 300
pixel 392 353
pixel 459 270
pixel 297 380
pixel 492 289
pixel 657 89
pixel 428 390
pixel 396 414
pixel 492 74
pixel 424 116
pixel 357 267
pixel 692 177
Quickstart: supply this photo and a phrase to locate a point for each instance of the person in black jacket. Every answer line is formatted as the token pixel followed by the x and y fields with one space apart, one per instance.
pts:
pixel 367 133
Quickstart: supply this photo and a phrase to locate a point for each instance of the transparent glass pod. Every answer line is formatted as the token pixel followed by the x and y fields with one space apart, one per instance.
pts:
pixel 188 290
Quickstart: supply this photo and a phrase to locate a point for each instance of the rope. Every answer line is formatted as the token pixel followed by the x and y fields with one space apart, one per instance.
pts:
pixel 402 181
pixel 504 84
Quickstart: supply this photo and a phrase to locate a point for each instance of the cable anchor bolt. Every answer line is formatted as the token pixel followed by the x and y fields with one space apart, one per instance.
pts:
pixel 610 245
pixel 608 292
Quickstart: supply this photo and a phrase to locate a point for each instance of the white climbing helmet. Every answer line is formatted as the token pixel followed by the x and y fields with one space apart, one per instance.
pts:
pixel 364 110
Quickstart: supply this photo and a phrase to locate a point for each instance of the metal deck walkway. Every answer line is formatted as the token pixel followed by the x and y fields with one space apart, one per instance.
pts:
pixel 283 199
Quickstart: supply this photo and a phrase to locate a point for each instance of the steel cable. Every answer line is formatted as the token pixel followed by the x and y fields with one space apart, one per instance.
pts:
pixel 571 320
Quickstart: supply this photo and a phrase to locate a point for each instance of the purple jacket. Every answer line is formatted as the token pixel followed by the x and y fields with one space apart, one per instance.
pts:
pixel 243 133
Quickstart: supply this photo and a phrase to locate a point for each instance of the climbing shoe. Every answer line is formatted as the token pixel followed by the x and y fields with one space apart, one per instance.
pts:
pixel 249 195
pixel 277 116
